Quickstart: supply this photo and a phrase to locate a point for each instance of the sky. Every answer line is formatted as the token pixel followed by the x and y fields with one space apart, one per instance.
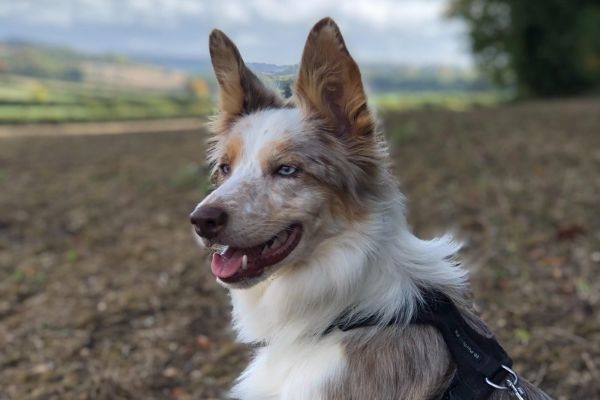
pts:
pixel 402 31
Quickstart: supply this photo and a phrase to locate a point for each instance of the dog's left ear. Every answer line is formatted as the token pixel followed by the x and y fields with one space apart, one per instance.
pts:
pixel 240 91
pixel 329 83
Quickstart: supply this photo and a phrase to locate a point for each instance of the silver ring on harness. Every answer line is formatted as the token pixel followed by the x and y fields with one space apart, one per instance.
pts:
pixel 516 391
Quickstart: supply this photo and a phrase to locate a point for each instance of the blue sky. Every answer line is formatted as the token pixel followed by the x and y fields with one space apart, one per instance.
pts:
pixel 404 31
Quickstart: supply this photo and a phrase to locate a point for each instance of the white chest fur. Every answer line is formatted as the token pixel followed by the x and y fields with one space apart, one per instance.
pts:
pixel 297 371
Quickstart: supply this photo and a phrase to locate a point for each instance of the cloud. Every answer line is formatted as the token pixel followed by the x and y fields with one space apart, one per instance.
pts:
pixel 64 13
pixel 377 13
pixel 388 13
pixel 412 31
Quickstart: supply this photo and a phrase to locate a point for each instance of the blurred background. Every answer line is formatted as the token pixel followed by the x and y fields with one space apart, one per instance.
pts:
pixel 491 107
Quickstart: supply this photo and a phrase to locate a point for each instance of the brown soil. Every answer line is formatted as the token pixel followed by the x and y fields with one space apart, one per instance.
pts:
pixel 101 128
pixel 104 295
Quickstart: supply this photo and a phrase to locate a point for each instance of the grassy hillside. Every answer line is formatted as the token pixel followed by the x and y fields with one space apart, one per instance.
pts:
pixel 41 83
pixel 46 61
pixel 28 100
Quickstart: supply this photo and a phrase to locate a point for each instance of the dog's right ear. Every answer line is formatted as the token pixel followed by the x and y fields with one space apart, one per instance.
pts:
pixel 329 83
pixel 240 91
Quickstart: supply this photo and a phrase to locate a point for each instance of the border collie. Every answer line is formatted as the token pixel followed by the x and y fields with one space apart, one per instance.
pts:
pixel 307 226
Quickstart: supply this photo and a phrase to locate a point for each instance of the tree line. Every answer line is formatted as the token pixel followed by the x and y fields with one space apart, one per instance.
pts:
pixel 544 47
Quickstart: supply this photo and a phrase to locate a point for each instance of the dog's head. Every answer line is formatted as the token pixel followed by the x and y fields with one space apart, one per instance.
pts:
pixel 289 174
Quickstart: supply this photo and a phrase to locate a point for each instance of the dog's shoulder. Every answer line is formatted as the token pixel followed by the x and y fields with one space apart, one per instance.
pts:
pixel 409 362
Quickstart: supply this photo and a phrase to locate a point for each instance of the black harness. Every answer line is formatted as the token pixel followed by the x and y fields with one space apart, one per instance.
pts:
pixel 482 365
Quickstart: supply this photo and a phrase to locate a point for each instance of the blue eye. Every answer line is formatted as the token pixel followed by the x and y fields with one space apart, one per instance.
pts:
pixel 225 169
pixel 287 170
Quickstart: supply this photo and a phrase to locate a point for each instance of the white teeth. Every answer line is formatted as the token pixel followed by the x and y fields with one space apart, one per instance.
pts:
pixel 244 262
pixel 276 241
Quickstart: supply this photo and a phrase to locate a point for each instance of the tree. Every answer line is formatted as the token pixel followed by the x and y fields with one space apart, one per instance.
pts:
pixel 545 47
pixel 285 86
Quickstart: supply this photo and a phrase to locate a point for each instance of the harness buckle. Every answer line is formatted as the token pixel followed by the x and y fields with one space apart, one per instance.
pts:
pixel 515 391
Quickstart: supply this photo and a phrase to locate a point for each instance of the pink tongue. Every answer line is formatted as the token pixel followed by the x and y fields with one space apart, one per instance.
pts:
pixel 226 267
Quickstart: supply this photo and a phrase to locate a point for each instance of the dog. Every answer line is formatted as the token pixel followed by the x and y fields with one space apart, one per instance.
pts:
pixel 307 227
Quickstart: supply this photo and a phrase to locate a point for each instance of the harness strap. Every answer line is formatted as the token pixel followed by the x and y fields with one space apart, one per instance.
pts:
pixel 476 356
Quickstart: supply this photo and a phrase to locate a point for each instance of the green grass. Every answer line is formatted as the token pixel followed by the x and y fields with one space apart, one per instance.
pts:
pixel 25 100
pixel 448 100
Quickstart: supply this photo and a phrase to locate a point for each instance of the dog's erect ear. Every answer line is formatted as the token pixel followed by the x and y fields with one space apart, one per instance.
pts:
pixel 329 83
pixel 241 92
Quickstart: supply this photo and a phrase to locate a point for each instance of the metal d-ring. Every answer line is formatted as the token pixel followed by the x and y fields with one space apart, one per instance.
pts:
pixel 501 387
pixel 515 390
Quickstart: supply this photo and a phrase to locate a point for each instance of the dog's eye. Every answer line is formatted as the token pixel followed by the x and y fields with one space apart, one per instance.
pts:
pixel 287 170
pixel 225 169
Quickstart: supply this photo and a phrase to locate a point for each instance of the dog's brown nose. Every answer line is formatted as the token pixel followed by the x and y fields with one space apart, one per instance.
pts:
pixel 208 220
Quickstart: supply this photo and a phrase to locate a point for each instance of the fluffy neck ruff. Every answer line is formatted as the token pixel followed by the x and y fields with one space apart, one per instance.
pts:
pixel 375 267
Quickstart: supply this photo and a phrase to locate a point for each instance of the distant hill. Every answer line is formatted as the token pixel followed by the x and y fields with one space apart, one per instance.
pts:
pixel 60 63
pixel 46 61
pixel 167 72
pixel 192 65
pixel 381 78
pixel 273 69
pixel 203 66
pixel 393 78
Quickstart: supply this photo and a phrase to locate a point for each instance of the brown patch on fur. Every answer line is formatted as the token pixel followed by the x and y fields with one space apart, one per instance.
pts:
pixel 349 176
pixel 341 205
pixel 241 92
pixel 409 363
pixel 329 83
pixel 233 150
pixel 277 153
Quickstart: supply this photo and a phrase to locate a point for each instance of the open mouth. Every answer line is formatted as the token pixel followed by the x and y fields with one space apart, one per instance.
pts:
pixel 236 264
